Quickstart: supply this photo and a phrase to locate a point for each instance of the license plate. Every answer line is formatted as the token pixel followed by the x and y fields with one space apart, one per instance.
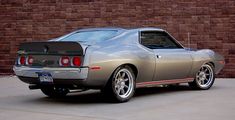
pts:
pixel 45 77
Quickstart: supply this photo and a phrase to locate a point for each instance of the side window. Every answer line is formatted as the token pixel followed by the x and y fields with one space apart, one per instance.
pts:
pixel 157 40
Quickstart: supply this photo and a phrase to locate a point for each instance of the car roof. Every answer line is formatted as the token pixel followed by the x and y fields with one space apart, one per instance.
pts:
pixel 122 29
pixel 147 28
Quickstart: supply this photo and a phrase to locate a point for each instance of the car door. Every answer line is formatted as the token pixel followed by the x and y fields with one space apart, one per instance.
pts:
pixel 172 60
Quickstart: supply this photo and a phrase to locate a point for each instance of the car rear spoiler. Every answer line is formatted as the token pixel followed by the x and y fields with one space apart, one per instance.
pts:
pixel 51 48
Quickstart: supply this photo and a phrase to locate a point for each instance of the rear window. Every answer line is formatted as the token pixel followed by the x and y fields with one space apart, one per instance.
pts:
pixel 91 36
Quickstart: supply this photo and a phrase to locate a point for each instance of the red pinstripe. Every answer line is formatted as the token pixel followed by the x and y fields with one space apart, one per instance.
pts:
pixel 164 82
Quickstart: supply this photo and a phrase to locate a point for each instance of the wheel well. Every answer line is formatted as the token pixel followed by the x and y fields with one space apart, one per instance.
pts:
pixel 213 65
pixel 133 67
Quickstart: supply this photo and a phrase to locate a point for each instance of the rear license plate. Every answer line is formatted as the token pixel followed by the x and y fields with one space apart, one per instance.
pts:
pixel 45 77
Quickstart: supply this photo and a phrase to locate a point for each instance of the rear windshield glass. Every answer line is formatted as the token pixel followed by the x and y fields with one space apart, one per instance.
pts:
pixel 91 36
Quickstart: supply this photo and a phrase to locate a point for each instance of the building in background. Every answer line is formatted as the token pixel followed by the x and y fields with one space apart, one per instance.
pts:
pixel 208 23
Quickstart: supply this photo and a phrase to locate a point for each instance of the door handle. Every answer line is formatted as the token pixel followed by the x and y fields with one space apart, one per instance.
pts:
pixel 159 56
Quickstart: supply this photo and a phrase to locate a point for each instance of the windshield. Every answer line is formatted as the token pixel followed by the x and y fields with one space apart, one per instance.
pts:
pixel 91 36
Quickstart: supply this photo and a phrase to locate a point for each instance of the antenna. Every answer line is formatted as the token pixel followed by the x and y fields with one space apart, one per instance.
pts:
pixel 188 39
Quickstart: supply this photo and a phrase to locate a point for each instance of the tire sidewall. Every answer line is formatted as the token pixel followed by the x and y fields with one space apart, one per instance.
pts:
pixel 120 99
pixel 213 79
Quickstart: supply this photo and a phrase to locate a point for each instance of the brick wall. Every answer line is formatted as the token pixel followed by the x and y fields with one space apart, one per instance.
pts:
pixel 211 23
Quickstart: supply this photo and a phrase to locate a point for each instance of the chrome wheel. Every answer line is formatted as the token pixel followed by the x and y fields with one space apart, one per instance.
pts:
pixel 123 83
pixel 205 76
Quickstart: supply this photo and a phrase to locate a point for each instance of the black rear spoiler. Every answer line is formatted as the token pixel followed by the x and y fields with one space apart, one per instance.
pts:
pixel 51 48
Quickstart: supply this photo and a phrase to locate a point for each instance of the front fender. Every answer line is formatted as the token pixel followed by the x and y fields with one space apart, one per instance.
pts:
pixel 203 56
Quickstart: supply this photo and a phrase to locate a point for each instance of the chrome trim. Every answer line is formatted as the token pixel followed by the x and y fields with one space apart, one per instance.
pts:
pixel 57 73
pixel 27 60
pixel 18 60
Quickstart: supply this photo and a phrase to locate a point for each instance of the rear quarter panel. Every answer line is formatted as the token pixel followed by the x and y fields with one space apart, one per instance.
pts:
pixel 111 54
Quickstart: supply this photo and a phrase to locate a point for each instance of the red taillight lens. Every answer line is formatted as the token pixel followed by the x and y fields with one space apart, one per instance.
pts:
pixel 76 61
pixel 30 60
pixel 21 60
pixel 64 61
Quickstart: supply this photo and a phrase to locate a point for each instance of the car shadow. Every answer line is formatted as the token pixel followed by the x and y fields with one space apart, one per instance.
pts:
pixel 95 96
pixel 140 92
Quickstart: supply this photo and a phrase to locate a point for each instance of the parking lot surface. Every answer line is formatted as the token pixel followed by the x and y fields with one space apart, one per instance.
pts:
pixel 17 102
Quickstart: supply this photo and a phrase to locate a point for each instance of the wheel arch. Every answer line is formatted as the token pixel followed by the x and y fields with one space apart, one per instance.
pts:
pixel 212 63
pixel 196 85
pixel 132 66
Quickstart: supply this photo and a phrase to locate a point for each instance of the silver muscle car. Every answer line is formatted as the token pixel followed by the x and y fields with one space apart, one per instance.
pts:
pixel 115 60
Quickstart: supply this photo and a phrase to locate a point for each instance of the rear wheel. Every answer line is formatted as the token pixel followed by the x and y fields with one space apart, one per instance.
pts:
pixel 55 91
pixel 205 78
pixel 121 86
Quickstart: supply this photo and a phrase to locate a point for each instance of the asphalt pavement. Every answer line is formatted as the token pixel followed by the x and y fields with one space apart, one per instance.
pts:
pixel 17 102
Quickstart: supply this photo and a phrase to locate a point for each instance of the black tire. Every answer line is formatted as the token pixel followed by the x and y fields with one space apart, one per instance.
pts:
pixel 208 81
pixel 55 92
pixel 114 85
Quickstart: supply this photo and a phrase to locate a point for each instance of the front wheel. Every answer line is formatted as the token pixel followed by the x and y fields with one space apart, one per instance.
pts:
pixel 205 78
pixel 121 86
pixel 55 92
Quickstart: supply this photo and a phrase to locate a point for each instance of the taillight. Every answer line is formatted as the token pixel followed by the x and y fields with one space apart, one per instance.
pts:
pixel 64 61
pixel 76 61
pixel 29 60
pixel 21 60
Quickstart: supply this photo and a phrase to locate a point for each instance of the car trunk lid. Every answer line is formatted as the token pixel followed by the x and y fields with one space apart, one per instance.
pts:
pixel 51 48
pixel 49 54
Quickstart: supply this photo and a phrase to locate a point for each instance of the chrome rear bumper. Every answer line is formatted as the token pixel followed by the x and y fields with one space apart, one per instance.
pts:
pixel 57 73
